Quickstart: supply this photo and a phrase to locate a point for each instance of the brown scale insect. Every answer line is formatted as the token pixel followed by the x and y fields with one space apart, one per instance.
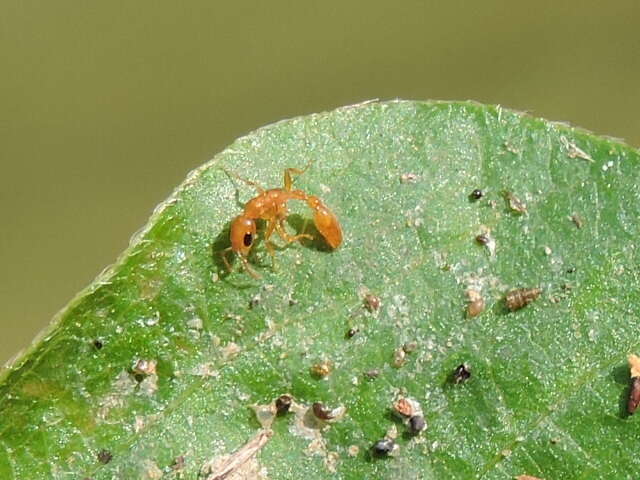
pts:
pixel 521 297
pixel 271 205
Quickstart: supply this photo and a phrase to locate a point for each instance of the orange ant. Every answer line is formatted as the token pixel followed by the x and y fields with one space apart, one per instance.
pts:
pixel 271 205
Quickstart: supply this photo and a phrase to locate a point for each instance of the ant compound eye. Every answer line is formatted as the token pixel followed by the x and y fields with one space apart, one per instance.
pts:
pixel 248 239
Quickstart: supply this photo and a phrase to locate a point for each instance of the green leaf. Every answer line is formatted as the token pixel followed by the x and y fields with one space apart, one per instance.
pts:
pixel 549 382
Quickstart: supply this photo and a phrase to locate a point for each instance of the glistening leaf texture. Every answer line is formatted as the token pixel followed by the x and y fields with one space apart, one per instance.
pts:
pixel 152 371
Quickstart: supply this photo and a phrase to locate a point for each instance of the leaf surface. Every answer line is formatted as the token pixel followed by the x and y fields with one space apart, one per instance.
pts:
pixel 549 382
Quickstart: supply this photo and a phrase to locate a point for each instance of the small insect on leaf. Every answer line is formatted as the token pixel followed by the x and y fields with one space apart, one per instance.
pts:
pixel 383 447
pixel 477 194
pixel 271 206
pixel 521 297
pixel 322 412
pixel 283 404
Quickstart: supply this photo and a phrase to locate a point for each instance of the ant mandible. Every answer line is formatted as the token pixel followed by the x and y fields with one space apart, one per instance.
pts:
pixel 271 205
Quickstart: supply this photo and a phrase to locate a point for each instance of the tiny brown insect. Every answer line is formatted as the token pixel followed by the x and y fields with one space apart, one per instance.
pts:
pixel 320 411
pixel 521 297
pixel 351 332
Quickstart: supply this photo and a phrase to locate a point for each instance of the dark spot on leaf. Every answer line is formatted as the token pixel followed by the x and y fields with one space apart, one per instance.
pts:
pixel 476 194
pixel 104 456
pixel 461 374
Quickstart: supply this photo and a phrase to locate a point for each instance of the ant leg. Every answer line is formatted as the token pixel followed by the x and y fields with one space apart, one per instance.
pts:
pixel 267 235
pixel 245 263
pixel 290 238
pixel 223 253
pixel 288 180
pixel 248 182
pixel 247 267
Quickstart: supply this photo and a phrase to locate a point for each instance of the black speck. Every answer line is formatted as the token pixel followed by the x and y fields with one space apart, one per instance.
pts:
pixel 352 332
pixel 104 456
pixel 571 270
pixel 97 343
pixel 477 194
pixel 383 447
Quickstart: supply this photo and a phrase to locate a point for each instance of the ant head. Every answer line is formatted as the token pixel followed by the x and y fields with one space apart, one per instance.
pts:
pixel 243 235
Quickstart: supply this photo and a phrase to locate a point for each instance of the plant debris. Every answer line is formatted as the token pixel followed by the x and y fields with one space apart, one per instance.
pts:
pixel 514 203
pixel 222 467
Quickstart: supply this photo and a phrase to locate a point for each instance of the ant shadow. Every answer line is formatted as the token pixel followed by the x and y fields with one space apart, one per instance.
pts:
pixel 303 225
pixel 620 375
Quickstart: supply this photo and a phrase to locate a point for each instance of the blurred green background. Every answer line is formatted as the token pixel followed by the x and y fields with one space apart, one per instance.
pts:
pixel 105 106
